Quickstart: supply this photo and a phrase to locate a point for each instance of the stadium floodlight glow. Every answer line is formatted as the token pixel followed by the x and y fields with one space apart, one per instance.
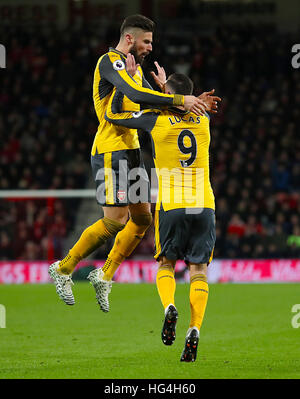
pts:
pixel 2 56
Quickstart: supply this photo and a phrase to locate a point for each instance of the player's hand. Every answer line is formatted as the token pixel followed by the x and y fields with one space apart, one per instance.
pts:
pixel 210 100
pixel 160 78
pixel 131 65
pixel 195 104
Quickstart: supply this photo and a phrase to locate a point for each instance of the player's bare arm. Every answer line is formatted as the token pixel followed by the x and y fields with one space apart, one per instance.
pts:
pixel 210 100
pixel 195 104
pixel 160 77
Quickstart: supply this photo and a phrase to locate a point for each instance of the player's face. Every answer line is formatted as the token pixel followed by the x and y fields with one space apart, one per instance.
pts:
pixel 142 46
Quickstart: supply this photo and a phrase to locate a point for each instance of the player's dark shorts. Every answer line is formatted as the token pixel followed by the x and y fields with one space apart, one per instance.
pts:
pixel 187 236
pixel 121 178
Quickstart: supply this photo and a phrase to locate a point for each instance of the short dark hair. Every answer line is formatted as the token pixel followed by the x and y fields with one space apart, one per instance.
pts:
pixel 137 21
pixel 180 84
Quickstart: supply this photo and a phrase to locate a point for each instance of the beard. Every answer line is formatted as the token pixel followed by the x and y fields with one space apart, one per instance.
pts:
pixel 138 58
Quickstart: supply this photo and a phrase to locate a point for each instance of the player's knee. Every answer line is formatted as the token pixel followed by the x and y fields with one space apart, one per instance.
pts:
pixel 143 220
pixel 166 264
pixel 200 268
pixel 138 224
pixel 112 226
pixel 118 214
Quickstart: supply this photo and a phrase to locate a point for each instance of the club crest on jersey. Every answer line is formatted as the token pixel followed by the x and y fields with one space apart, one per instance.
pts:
pixel 118 65
pixel 121 195
pixel 137 114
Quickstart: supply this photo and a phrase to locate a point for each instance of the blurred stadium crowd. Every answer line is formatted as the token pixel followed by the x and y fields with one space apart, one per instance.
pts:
pixel 47 125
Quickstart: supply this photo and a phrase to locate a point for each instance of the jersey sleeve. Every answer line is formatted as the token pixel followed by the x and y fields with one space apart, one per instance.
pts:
pixel 144 119
pixel 113 69
pixel 146 84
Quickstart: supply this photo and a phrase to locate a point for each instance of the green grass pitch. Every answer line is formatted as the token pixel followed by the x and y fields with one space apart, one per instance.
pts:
pixel 247 333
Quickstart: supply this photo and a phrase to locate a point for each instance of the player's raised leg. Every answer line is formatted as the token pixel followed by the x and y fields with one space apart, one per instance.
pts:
pixel 166 286
pixel 101 284
pixel 92 238
pixel 126 241
pixel 198 301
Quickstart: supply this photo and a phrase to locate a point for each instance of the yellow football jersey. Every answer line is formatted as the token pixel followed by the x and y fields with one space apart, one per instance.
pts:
pixel 180 151
pixel 111 75
pixel 181 156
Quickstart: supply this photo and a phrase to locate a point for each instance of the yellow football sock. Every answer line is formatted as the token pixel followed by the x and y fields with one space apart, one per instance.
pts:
pixel 166 285
pixel 198 299
pixel 92 238
pixel 125 243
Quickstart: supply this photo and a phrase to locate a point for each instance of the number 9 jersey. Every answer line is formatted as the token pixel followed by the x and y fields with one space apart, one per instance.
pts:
pixel 180 142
